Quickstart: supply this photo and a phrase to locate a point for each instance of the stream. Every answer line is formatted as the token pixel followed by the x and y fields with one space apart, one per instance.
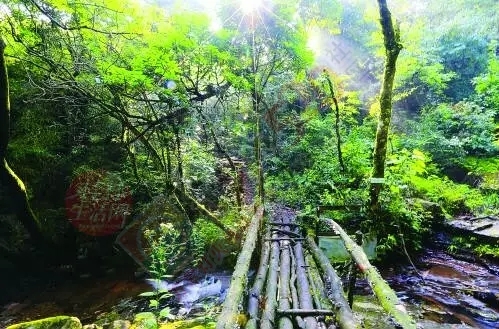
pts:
pixel 449 290
pixel 445 292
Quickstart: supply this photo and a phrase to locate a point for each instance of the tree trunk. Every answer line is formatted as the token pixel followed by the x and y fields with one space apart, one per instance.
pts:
pixel 392 49
pixel 268 314
pixel 386 296
pixel 230 310
pixel 9 180
pixel 337 121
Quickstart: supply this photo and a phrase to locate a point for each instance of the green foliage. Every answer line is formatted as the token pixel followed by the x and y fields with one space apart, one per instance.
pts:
pixel 473 243
pixel 163 249
pixel 449 133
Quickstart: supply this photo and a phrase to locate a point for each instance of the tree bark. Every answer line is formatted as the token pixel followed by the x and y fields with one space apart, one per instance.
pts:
pixel 229 315
pixel 392 49
pixel 386 296
pixel 8 178
pixel 337 121
pixel 334 288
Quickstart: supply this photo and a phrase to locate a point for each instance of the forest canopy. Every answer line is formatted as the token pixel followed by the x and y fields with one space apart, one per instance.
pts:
pixel 192 101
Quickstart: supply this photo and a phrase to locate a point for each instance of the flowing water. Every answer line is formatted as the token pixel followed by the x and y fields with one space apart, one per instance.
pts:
pixel 445 292
pixel 450 290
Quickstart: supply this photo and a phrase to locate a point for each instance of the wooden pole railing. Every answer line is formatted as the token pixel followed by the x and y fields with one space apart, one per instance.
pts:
pixel 385 295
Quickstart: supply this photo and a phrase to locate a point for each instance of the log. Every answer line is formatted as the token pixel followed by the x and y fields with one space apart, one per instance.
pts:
pixel 285 278
pixel 268 315
pixel 285 239
pixel 230 309
pixel 284 290
pixel 294 292
pixel 255 294
pixel 286 232
pixel 283 224
pixel 305 312
pixel 385 295
pixel 317 287
pixel 303 286
pixel 334 288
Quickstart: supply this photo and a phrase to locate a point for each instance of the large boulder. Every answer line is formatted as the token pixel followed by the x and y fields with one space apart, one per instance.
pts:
pixel 56 322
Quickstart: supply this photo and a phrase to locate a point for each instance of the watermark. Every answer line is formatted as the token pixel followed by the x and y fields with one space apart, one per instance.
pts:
pixel 164 210
pixel 97 203
pixel 346 60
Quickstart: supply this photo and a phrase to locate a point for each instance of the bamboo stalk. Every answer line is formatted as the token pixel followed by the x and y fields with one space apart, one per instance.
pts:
pixel 268 314
pixel 334 288
pixel 305 312
pixel 304 296
pixel 386 296
pixel 284 289
pixel 230 309
pixel 255 294
pixel 293 290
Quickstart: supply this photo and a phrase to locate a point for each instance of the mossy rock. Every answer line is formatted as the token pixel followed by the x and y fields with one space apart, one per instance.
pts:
pixel 189 324
pixel 145 320
pixel 120 324
pixel 56 322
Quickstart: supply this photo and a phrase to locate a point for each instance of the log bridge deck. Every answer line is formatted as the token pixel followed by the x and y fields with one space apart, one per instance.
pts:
pixel 295 285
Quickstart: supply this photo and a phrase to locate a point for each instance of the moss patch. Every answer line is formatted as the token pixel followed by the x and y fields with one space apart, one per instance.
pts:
pixel 57 322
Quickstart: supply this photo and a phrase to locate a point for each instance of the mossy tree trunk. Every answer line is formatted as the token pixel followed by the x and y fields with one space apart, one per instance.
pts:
pixel 8 178
pixel 393 47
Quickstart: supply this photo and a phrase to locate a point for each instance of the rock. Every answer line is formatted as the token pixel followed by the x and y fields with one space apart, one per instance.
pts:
pixel 120 324
pixel 56 322
pixel 145 320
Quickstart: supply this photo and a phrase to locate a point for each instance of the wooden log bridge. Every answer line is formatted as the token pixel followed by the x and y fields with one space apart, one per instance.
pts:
pixel 295 285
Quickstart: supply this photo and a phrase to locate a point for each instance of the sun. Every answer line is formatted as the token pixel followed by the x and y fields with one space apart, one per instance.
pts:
pixel 251 6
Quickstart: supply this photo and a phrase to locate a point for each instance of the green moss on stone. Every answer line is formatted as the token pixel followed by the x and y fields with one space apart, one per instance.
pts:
pixel 56 322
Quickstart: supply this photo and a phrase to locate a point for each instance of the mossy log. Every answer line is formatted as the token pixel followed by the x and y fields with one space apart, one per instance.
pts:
pixel 304 296
pixel 268 314
pixel 228 318
pixel 386 296
pixel 285 280
pixel 255 294
pixel 334 288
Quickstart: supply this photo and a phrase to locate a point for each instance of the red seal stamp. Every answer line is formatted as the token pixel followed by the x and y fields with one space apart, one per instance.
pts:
pixel 98 203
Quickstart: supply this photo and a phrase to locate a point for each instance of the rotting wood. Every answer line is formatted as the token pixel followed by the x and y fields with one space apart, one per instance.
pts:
pixel 255 294
pixel 386 296
pixel 228 316
pixel 268 314
pixel 334 288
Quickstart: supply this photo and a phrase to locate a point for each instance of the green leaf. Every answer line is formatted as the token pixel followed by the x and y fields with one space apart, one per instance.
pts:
pixel 153 303
pixel 148 294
